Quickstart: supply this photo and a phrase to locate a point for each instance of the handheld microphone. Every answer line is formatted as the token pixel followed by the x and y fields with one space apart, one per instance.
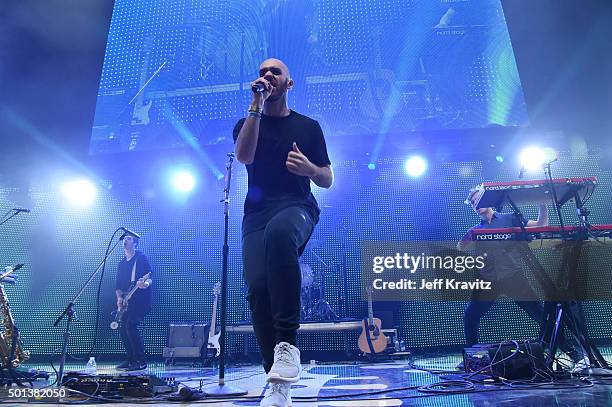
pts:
pixel 13 268
pixel 126 231
pixel 21 210
pixel 552 160
pixel 258 88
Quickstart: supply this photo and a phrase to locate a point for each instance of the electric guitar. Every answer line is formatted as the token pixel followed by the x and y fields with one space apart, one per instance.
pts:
pixel 371 340
pixel 213 336
pixel 118 314
pixel 140 112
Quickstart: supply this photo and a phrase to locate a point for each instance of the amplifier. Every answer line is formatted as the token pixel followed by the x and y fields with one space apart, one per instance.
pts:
pixel 116 385
pixel 186 340
pixel 505 360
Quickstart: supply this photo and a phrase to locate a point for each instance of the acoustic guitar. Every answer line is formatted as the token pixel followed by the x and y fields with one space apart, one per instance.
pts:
pixel 372 340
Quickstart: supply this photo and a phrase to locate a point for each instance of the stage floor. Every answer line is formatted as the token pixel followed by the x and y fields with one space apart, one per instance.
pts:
pixel 393 383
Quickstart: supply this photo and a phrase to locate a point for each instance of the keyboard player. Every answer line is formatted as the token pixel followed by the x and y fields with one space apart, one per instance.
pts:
pixel 502 267
pixel 505 271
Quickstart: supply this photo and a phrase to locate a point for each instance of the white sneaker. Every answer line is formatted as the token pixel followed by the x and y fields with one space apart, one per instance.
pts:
pixel 278 395
pixel 287 366
pixel 582 366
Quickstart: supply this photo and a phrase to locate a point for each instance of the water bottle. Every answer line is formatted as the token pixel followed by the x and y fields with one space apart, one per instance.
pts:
pixel 91 368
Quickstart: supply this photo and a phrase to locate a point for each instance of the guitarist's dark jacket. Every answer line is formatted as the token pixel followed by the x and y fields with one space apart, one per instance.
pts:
pixel 140 304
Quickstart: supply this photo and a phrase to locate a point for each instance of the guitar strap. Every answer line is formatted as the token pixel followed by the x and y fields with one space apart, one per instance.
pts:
pixel 366 325
pixel 134 271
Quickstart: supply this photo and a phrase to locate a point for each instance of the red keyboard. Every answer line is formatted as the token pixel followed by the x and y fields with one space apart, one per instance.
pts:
pixel 495 194
pixel 553 235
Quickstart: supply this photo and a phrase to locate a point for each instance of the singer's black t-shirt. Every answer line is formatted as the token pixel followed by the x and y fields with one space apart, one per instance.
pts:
pixel 140 304
pixel 272 187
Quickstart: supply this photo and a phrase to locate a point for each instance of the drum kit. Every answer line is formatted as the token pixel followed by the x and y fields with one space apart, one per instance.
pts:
pixel 314 307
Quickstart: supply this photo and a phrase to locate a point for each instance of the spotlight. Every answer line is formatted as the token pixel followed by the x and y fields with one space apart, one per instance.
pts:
pixel 79 192
pixel 499 158
pixel 415 166
pixel 532 158
pixel 183 181
pixel 371 166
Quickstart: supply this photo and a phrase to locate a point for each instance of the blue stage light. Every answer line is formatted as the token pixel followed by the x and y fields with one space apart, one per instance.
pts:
pixel 415 166
pixel 79 192
pixel 183 181
pixel 532 158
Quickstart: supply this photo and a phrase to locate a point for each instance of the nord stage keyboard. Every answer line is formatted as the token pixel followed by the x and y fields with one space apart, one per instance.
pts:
pixel 547 236
pixel 495 194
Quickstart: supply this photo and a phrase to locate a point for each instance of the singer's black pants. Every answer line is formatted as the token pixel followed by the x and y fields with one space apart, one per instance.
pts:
pixel 272 275
pixel 131 338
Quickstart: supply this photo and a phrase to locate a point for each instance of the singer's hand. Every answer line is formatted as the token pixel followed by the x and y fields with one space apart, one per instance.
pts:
pixel 298 164
pixel 268 88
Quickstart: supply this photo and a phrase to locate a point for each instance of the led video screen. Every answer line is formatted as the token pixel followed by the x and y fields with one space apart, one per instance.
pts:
pixel 178 73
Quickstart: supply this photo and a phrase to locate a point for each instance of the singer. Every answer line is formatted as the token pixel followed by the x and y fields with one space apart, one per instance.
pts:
pixel 283 151
pixel 129 271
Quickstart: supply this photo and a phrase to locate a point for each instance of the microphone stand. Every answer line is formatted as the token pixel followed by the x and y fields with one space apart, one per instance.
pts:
pixel 17 212
pixel 70 312
pixel 221 389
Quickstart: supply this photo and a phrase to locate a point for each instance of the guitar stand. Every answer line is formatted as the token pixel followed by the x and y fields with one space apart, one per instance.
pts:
pixel 375 357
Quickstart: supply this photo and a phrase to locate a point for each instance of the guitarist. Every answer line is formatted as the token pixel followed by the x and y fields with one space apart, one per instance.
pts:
pixel 129 271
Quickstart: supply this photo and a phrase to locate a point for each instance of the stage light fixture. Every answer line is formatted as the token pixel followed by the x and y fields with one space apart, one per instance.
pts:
pixel 415 166
pixel 532 158
pixel 183 181
pixel 79 192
